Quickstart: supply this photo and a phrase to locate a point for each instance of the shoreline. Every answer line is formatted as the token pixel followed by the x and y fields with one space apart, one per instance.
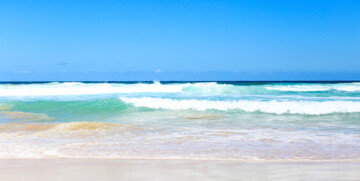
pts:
pixel 31 169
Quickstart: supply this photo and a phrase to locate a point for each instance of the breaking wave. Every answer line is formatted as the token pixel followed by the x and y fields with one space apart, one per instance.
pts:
pixel 78 88
pixel 273 106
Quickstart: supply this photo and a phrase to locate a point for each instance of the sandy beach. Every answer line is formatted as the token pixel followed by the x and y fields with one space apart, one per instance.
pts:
pixel 161 169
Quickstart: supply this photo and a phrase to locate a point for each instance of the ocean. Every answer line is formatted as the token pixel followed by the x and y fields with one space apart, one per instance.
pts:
pixel 181 120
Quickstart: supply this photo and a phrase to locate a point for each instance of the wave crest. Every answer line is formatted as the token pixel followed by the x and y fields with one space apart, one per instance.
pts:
pixel 276 107
pixel 78 88
pixel 74 88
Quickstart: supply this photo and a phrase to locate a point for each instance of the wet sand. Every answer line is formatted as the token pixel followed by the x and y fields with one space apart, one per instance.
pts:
pixel 59 169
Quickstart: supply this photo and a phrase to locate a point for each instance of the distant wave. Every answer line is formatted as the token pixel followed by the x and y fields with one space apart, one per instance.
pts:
pixel 298 88
pixel 354 87
pixel 276 107
pixel 349 88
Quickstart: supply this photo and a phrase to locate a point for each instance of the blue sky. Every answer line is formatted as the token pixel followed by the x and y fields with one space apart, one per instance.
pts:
pixel 179 40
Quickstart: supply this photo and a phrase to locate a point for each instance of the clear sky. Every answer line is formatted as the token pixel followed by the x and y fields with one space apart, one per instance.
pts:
pixel 179 40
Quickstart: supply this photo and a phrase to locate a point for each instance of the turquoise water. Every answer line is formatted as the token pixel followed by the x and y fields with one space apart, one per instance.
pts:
pixel 192 120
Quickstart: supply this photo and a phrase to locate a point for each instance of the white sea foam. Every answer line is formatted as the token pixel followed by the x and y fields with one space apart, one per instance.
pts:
pixel 74 88
pixel 78 88
pixel 276 107
pixel 349 88
pixel 104 140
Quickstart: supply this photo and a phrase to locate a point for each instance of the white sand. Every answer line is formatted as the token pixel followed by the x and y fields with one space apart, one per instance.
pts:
pixel 184 170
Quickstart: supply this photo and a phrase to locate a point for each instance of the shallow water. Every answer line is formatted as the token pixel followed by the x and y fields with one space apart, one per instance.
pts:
pixel 195 120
